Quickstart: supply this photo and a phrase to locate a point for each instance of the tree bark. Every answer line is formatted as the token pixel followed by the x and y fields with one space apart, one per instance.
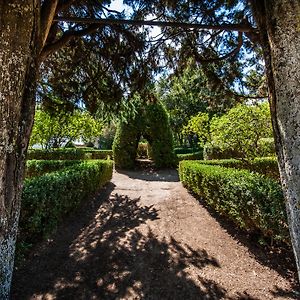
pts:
pixel 18 52
pixel 279 26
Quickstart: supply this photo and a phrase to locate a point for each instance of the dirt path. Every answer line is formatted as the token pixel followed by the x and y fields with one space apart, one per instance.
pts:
pixel 146 237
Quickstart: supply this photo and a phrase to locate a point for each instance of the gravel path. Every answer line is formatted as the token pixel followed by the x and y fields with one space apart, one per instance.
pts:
pixel 146 237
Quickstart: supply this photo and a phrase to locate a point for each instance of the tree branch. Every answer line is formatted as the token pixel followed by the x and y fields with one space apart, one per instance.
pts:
pixel 67 36
pixel 47 14
pixel 199 58
pixel 242 27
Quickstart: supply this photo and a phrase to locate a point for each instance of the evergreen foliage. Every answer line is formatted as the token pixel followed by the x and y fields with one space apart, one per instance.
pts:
pixel 252 201
pixel 151 122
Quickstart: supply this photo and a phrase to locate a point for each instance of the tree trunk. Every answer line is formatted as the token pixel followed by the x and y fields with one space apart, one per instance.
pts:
pixel 18 52
pixel 279 27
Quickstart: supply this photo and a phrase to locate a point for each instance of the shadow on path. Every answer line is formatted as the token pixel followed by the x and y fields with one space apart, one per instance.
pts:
pixel 102 254
pixel 165 175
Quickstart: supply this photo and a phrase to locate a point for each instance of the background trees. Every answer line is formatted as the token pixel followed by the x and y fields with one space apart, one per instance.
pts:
pixel 34 30
pixel 56 130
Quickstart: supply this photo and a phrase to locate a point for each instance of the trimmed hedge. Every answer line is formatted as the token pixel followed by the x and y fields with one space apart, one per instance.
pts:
pixel 186 150
pixel 267 166
pixel 190 156
pixel 48 198
pixel 152 123
pixel 253 202
pixel 68 154
pixel 41 167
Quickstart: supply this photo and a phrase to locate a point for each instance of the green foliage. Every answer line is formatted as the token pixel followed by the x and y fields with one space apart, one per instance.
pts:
pixel 68 154
pixel 151 122
pixel 48 198
pixel 190 92
pixel 239 131
pixel 253 202
pixel 267 166
pixel 106 138
pixel 190 156
pixel 52 130
pixel 185 150
pixel 266 147
pixel 40 167
pixel 198 125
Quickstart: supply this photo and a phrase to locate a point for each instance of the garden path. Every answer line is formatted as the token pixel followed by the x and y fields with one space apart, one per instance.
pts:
pixel 146 237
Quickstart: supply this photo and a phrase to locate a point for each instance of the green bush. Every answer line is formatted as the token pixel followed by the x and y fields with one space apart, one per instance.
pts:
pixel 263 165
pixel 68 154
pixel 186 150
pixel 253 202
pixel 41 167
pixel 152 123
pixel 266 147
pixel 190 156
pixel 48 198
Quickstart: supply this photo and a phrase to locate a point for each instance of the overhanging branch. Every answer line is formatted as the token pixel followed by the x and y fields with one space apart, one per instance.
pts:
pixel 243 27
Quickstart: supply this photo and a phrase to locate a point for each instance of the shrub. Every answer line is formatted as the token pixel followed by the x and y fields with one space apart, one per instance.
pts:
pixel 190 156
pixel 265 147
pixel 40 167
pixel 253 202
pixel 241 129
pixel 267 166
pixel 48 198
pixel 186 150
pixel 152 123
pixel 68 154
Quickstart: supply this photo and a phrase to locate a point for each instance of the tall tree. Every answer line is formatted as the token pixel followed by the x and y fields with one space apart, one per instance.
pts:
pixel 35 29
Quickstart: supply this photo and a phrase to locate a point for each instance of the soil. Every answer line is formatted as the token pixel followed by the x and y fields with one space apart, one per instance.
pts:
pixel 145 237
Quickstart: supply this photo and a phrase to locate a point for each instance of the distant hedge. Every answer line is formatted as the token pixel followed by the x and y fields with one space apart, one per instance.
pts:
pixel 48 198
pixel 68 154
pixel 41 167
pixel 253 202
pixel 190 156
pixel 264 165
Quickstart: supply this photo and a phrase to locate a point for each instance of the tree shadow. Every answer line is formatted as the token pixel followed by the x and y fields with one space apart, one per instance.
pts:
pixel 103 255
pixel 164 175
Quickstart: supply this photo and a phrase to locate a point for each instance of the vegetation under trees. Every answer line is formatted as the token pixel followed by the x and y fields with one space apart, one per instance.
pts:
pixel 34 30
pixel 150 122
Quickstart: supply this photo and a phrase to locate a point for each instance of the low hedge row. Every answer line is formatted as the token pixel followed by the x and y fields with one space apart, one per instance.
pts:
pixel 48 198
pixel 41 167
pixel 190 156
pixel 253 202
pixel 264 165
pixel 68 154
pixel 186 150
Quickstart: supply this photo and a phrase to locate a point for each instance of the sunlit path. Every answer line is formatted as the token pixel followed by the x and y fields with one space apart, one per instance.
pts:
pixel 146 237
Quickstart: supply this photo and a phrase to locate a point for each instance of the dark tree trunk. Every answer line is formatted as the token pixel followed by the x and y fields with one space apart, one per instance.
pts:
pixel 279 28
pixel 18 53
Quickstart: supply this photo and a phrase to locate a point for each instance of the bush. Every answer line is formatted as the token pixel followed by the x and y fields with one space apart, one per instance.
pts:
pixel 241 129
pixel 152 123
pixel 48 198
pixel 266 147
pixel 190 156
pixel 41 167
pixel 253 202
pixel 186 150
pixel 68 154
pixel 267 166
